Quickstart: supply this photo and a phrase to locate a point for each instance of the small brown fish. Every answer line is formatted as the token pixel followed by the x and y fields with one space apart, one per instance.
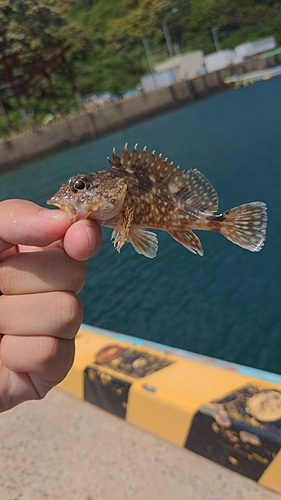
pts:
pixel 142 190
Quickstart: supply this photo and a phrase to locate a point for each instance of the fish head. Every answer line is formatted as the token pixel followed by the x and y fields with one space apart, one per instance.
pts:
pixel 95 195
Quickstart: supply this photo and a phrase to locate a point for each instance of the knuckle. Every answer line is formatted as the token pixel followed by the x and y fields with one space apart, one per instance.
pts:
pixel 56 359
pixel 79 272
pixel 70 272
pixel 68 314
pixel 55 351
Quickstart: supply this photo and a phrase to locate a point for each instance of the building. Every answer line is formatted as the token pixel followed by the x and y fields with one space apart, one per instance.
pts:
pixel 222 58
pixel 186 65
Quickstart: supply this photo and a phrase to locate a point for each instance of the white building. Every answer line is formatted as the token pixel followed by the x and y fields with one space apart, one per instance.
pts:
pixel 249 49
pixel 159 79
pixel 186 65
pixel 221 59
pixel 190 64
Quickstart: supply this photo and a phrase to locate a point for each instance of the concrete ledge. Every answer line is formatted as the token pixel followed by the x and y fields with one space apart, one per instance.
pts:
pixel 214 409
pixel 63 448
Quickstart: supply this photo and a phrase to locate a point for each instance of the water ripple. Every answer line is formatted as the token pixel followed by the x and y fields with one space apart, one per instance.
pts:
pixel 226 304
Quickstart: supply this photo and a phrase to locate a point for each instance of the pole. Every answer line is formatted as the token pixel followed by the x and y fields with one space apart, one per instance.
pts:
pixel 167 33
pixel 148 53
pixel 149 58
pixel 214 30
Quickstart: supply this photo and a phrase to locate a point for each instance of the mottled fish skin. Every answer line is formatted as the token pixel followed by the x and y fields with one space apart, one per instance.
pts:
pixel 142 190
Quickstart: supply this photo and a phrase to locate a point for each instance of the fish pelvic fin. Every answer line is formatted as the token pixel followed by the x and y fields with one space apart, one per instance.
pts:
pixel 189 240
pixel 245 225
pixel 144 242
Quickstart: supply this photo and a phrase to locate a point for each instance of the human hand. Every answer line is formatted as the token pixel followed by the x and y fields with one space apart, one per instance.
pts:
pixel 42 269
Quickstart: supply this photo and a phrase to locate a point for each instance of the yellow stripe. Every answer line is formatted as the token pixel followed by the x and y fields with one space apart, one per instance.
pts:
pixel 180 389
pixel 271 478
pixel 231 418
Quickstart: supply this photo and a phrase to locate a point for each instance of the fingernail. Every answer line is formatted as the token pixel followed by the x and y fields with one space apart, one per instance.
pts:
pixel 51 214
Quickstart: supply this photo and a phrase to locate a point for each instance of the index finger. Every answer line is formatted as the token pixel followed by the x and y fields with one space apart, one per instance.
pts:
pixel 25 223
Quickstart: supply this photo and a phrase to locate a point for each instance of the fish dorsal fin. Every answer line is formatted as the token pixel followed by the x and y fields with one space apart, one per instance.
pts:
pixel 152 165
pixel 192 187
pixel 198 192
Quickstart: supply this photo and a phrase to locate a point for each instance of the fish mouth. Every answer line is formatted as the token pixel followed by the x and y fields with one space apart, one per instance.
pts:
pixel 70 208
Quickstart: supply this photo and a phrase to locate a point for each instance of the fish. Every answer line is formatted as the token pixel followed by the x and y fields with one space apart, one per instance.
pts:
pixel 142 191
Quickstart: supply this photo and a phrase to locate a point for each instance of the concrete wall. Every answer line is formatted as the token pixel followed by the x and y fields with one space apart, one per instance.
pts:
pixel 24 148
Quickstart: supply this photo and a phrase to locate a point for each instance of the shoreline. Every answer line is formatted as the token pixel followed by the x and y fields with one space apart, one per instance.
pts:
pixel 19 150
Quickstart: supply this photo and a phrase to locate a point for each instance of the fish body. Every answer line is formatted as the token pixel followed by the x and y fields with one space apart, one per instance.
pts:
pixel 142 191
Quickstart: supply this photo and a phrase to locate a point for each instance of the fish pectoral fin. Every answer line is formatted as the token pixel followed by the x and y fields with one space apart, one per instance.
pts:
pixel 121 231
pixel 143 241
pixel 189 240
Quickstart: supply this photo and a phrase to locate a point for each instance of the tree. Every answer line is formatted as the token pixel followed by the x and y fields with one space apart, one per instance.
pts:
pixel 30 52
pixel 142 18
pixel 111 62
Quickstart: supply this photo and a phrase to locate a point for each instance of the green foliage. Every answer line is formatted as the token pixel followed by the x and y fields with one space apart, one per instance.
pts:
pixel 111 62
pixel 238 21
pixel 105 38
pixel 31 32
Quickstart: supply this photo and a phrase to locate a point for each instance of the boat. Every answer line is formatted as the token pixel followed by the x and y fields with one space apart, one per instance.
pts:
pixel 252 77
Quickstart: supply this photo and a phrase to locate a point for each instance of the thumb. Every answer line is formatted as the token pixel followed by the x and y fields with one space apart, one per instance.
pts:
pixel 25 223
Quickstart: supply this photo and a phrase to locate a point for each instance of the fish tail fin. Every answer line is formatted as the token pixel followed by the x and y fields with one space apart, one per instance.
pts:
pixel 246 225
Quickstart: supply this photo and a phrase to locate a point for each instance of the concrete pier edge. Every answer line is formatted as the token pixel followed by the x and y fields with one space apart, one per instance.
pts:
pixel 225 412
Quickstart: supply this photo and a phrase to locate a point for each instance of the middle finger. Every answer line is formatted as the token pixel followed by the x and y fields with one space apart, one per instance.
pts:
pixel 43 271
pixel 54 314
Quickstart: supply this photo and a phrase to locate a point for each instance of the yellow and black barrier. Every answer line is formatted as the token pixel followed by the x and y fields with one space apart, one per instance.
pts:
pixel 219 410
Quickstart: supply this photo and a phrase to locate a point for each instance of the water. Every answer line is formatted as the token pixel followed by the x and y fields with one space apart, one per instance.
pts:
pixel 226 304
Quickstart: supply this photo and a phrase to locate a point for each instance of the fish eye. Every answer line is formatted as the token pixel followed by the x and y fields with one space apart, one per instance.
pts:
pixel 80 184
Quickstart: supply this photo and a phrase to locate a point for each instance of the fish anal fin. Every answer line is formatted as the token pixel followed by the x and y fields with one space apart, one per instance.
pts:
pixel 143 241
pixel 189 240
